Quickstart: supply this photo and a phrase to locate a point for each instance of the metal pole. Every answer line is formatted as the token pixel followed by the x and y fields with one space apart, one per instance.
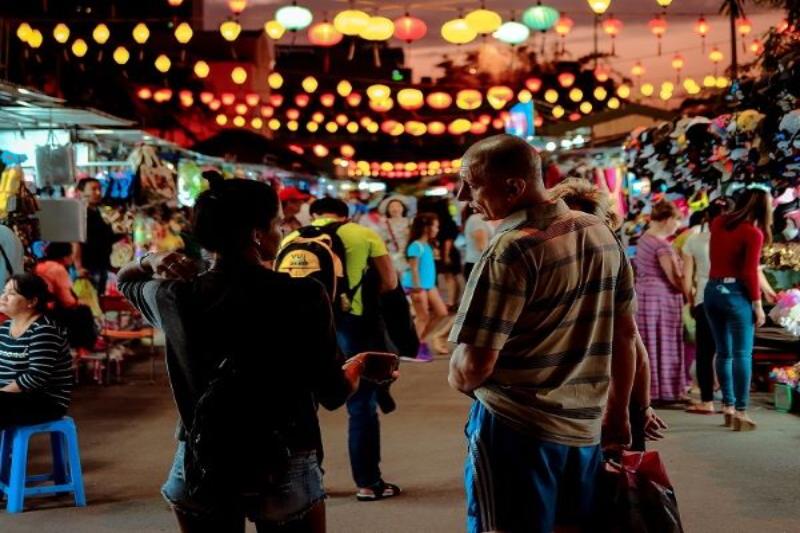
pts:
pixel 734 48
pixel 596 21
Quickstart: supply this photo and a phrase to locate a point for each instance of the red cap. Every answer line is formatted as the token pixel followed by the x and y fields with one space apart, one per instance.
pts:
pixel 292 193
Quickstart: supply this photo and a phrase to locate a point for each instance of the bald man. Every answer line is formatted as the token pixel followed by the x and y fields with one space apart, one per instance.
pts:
pixel 547 305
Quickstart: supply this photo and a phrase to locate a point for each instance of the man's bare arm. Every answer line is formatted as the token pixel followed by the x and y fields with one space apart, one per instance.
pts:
pixel 470 367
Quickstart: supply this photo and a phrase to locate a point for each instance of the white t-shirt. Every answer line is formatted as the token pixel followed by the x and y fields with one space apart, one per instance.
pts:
pixel 475 223
pixel 696 246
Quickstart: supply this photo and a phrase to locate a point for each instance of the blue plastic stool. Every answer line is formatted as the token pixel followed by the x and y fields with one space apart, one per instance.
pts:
pixel 66 475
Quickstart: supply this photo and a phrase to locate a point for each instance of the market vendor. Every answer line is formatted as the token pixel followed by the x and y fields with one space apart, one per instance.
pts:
pixel 93 257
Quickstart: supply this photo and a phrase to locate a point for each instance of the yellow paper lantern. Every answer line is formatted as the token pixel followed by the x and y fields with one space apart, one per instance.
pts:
pixel 484 21
pixel 239 75
pixel 312 127
pixel 439 100
pixel 647 89
pixel 274 124
pixel 558 111
pixel 524 96
pixel 600 93
pixel 665 95
pixel 101 34
pixel 351 22
pixel 292 125
pixel 230 30
pixel 436 127
pixel 121 55
pixel 79 47
pixel 163 64
pixel 551 96
pixel 667 87
pixel 309 84
pixel 61 33
pixel 416 128
pixel 499 95
pixel 410 99
pixel 274 29
pixel 257 123
pixel 381 106
pixel 344 88
pixel 352 127
pixel 459 126
pixel 331 127
pixel 613 103
pixel 378 92
pixel 239 121
pixel 469 99
pixel 624 91
pixel 24 31
pixel 221 119
pixel 586 108
pixel 201 69
pixel 35 39
pixel 722 82
pixel 141 33
pixel 183 33
pixel 458 31
pixel 599 6
pixel 576 95
pixel 710 81
pixel 373 127
pixel 378 29
pixel 275 80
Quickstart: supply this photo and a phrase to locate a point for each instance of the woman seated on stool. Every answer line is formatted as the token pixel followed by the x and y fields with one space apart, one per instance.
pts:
pixel 35 363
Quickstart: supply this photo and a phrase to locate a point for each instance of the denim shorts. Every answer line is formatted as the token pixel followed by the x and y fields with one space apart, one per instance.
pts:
pixel 289 500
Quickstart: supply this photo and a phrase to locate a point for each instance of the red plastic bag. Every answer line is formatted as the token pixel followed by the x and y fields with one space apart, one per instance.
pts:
pixel 638 496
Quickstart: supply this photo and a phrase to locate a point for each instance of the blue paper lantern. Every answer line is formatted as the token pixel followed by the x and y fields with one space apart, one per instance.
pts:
pixel 294 17
pixel 540 18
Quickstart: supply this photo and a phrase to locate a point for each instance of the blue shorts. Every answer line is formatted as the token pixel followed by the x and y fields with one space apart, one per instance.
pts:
pixel 518 484
pixel 290 499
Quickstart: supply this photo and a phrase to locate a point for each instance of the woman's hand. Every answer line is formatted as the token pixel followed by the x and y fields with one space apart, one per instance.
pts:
pixel 170 265
pixel 653 425
pixel 761 318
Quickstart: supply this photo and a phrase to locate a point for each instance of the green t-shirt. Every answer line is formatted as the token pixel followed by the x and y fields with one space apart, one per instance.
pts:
pixel 361 244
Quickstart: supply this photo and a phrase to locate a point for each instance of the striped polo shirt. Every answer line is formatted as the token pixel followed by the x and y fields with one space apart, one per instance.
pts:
pixel 545 294
pixel 38 360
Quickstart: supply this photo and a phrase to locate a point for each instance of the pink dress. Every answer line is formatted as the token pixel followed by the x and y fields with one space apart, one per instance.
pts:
pixel 659 320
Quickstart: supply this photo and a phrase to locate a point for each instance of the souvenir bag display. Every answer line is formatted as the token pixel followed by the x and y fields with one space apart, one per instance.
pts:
pixel 54 163
pixel 155 182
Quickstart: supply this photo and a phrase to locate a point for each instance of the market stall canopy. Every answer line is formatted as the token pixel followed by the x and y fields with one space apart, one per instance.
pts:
pixel 244 146
pixel 22 108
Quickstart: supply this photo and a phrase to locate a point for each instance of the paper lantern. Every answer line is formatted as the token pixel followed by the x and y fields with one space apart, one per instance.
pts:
pixel 144 93
pixel 599 7
pixel 613 103
pixel 415 128
pixel 602 73
pixel 353 99
pixel 35 39
pixel 533 84
pixel 274 29
pixel 722 82
pixel 410 99
pixel 24 31
pixel 558 111
pixel 351 22
pixel 162 95
pixel 716 55
pixel 576 95
pixel 221 120
pixel 352 128
pixel 344 88
pixel 324 34
pixel 744 26
pixel 183 33
pixel 524 96
pixel 267 111
pixel 206 97
pixel 318 117
pixel 566 79
pixel 702 28
pixel 302 100
pixel 458 31
pixel 121 55
pixel 275 80
pixel 378 29
pixel 327 99
pixel 512 33
pixel 410 29
pixel 341 119
pixel 664 3
pixel 469 99
pixel 757 47
pixel 392 127
pixel 551 96
pixel 175 3
pixel 241 109
pixel 214 105
pixel 381 106
pixel 309 84
pixel 678 62
pixel 163 63
pixel 294 17
pixel 478 128
pixel 538 121
pixel 439 100
pixel 237 6
pixel 540 17
pixel 563 25
pixel 459 126
pixel 101 34
pixel 638 69
pixel 612 26
pixel 600 93
pixel 61 33
pixel 484 21
pixel 257 123
pixel 320 151
pixel 312 127
pixel 201 69
pixel 141 33
pixel 276 100
pixel 623 91
pixel 347 151
pixel 499 95
pixel 647 89
pixel 658 27
pixel 230 30
pixel 436 128
pixel 239 75
pixel 274 124
pixel 228 98
pixel 378 92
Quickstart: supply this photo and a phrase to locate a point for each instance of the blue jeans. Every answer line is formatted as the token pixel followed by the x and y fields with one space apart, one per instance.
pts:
pixel 364 431
pixel 517 483
pixel 730 315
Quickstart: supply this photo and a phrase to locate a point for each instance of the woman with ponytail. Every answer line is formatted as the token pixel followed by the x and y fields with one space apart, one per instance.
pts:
pixel 276 332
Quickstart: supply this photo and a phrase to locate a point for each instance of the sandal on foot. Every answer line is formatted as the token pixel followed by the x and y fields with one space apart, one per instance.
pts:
pixel 379 491
pixel 700 409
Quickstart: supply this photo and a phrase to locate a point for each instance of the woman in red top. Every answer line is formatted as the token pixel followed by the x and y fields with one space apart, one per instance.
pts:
pixel 733 298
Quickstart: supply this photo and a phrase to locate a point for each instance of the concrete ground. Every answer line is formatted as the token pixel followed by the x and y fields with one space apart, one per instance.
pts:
pixel 726 482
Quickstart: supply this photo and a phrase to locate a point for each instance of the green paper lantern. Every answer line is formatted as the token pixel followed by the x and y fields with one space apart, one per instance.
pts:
pixel 540 18
pixel 512 33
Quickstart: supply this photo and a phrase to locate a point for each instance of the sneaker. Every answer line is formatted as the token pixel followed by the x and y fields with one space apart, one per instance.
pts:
pixel 423 355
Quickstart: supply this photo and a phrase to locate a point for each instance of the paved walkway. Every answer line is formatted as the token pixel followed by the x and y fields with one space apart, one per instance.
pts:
pixel 726 482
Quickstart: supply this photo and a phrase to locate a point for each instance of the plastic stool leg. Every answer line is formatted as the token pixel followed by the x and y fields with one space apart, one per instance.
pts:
pixel 19 464
pixel 75 473
pixel 58 446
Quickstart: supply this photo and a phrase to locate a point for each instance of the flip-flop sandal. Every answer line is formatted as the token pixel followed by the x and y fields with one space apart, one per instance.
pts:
pixel 380 491
pixel 697 410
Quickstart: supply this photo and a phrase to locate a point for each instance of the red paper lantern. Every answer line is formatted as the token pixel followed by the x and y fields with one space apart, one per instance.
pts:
pixel 324 34
pixel 327 99
pixel 267 111
pixel 206 97
pixel 228 98
pixel 214 105
pixel 292 114
pixel 353 99
pixel 144 93
pixel 744 26
pixel 612 26
pixel 574 117
pixel 566 79
pixel 701 28
pixel 410 29
pixel 439 100
pixel 301 100
pixel 478 128
pixel 252 99
pixel 533 84
pixel 658 27
pixel 276 100
pixel 538 121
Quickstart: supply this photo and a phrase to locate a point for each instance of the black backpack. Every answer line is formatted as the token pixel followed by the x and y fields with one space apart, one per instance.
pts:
pixel 319 252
